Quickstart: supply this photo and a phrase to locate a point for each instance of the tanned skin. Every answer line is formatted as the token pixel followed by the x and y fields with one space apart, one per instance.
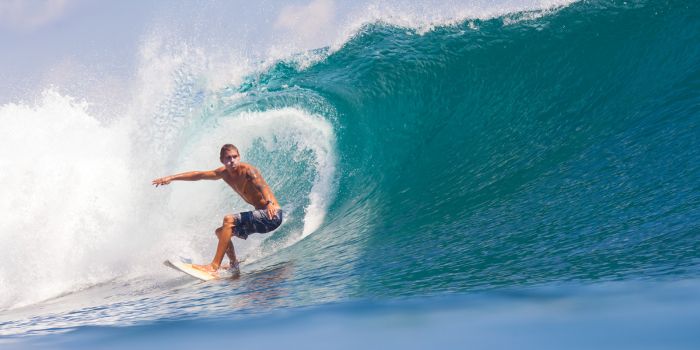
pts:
pixel 243 178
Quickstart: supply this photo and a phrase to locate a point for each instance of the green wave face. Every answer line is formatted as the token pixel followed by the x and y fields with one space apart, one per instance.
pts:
pixel 533 148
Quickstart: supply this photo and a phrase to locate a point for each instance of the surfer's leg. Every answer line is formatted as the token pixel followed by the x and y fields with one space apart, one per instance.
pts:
pixel 230 252
pixel 224 240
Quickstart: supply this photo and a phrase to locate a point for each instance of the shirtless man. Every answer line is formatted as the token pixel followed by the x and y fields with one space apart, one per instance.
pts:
pixel 247 181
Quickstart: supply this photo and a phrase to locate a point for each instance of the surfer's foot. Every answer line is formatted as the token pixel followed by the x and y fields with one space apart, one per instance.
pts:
pixel 206 268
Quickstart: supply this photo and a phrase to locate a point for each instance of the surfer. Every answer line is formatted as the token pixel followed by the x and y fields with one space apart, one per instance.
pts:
pixel 247 181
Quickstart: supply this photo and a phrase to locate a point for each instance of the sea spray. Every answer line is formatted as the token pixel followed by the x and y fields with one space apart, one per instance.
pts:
pixel 67 190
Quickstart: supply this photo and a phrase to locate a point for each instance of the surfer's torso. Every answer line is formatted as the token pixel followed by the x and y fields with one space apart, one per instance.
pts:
pixel 241 180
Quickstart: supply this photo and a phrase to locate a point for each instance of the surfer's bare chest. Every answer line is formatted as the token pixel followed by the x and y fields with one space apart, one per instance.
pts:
pixel 239 183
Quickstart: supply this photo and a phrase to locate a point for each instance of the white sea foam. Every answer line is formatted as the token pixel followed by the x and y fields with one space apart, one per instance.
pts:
pixel 66 189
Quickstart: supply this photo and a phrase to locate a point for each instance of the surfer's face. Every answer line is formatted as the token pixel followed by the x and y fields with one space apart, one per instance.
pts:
pixel 231 159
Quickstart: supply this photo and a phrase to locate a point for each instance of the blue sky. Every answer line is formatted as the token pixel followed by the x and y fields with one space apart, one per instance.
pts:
pixel 56 42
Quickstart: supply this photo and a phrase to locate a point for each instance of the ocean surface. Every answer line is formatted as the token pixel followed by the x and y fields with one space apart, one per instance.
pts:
pixel 525 180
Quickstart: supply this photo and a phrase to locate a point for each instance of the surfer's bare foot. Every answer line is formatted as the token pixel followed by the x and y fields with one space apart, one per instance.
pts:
pixel 206 268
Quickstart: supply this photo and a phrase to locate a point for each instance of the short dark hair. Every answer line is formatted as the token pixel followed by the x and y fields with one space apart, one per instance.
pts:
pixel 228 147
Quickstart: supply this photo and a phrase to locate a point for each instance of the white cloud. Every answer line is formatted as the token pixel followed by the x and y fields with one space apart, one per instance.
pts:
pixel 31 14
pixel 309 22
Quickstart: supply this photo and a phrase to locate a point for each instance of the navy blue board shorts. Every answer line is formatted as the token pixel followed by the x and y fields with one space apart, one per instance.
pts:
pixel 255 221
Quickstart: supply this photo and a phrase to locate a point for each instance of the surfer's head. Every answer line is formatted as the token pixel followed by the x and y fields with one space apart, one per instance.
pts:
pixel 229 156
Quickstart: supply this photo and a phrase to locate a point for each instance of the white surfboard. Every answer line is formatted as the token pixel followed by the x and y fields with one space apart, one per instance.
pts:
pixel 185 265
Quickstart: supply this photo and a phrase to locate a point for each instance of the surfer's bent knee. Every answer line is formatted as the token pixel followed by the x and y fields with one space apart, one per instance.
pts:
pixel 229 221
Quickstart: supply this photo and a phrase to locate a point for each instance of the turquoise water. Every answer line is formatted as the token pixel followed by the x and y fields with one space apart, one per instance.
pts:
pixel 563 148
pixel 524 169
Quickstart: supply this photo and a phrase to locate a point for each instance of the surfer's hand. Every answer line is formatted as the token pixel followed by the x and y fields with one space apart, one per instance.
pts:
pixel 162 181
pixel 272 210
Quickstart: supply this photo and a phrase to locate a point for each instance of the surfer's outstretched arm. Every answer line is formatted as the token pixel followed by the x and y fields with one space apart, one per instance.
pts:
pixel 215 174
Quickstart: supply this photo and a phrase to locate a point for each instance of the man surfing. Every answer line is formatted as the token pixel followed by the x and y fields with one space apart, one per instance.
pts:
pixel 247 181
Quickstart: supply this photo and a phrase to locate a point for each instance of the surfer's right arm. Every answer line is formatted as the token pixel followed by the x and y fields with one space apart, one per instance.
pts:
pixel 191 176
